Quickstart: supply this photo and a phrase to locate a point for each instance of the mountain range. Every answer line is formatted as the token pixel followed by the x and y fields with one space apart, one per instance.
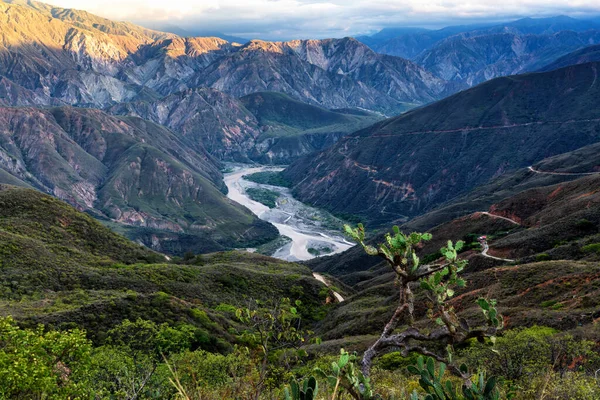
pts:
pixel 131 125
pixel 407 165
pixel 84 60
pixel 472 54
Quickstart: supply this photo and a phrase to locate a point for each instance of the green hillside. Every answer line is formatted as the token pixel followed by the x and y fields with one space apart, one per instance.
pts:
pixel 281 115
pixel 61 267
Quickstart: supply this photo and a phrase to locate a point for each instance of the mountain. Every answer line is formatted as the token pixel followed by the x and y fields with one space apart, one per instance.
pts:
pixel 471 54
pixel 475 57
pixel 411 42
pixel 290 128
pixel 405 166
pixel 67 54
pixel 130 172
pixel 266 127
pixel 61 267
pixel 585 55
pixel 334 73
pixel 547 172
pixel 203 118
pixel 84 60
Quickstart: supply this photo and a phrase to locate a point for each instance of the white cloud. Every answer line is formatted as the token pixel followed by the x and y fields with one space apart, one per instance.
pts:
pixel 321 18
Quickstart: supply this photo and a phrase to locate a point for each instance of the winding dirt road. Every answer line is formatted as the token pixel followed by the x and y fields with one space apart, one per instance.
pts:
pixel 321 279
pixel 537 171
pixel 485 245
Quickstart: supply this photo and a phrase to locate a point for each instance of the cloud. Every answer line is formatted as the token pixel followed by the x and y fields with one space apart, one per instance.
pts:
pixel 286 19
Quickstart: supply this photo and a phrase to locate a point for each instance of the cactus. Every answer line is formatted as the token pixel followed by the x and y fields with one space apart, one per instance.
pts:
pixel 431 381
pixel 307 390
pixel 346 376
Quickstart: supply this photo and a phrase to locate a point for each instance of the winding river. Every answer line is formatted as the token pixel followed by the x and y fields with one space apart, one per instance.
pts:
pixel 302 224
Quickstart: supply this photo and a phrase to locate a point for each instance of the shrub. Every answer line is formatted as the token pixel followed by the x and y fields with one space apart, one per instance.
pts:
pixel 543 257
pixel 38 364
pixel 591 248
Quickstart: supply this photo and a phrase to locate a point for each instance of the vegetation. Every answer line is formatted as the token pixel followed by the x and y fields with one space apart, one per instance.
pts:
pixel 319 251
pixel 264 196
pixel 439 282
pixel 281 115
pixel 269 178
pixel 120 321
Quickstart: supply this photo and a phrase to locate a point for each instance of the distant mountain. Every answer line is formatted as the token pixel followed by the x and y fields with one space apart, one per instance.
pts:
pixel 405 166
pixel 136 175
pixel 410 42
pixel 585 55
pixel 473 58
pixel 472 54
pixel 80 59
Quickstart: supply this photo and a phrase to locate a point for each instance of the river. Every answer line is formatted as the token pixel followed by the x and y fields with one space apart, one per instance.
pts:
pixel 307 227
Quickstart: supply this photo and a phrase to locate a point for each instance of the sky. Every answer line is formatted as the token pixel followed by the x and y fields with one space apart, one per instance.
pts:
pixel 300 19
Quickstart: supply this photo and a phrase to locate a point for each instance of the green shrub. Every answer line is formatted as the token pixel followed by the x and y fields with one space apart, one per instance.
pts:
pixel 395 361
pixel 226 308
pixel 526 352
pixel 39 364
pixel 591 248
pixel 543 257
pixel 548 303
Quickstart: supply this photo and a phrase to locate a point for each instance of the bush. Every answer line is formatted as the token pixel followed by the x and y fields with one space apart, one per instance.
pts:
pixel 543 257
pixel 269 178
pixel 591 248
pixel 38 364
pixel 526 353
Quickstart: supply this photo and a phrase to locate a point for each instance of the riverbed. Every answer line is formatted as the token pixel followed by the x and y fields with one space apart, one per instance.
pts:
pixel 307 227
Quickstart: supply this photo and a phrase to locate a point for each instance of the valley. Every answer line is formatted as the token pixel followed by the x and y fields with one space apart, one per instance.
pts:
pixel 412 214
pixel 307 227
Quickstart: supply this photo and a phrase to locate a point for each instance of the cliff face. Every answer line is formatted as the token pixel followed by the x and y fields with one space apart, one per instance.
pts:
pixel 203 118
pixel 129 171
